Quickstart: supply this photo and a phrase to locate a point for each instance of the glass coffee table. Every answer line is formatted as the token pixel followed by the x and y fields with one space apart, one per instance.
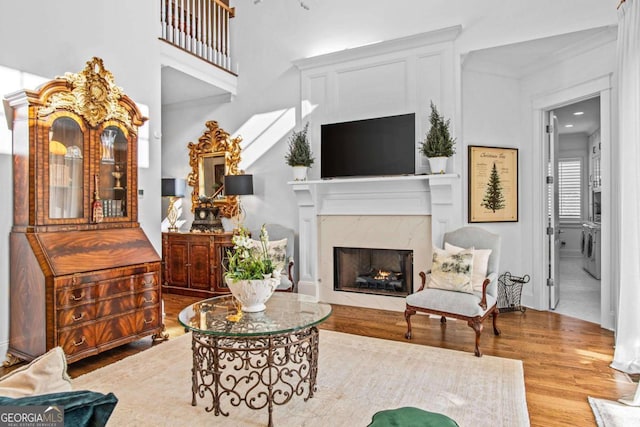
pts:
pixel 259 359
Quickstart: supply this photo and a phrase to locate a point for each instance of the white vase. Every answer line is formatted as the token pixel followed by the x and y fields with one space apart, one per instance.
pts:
pixel 252 294
pixel 300 173
pixel 438 164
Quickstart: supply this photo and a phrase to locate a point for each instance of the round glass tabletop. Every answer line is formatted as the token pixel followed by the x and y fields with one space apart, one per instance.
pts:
pixel 286 312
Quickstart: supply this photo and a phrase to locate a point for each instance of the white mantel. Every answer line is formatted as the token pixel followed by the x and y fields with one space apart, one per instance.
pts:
pixel 397 196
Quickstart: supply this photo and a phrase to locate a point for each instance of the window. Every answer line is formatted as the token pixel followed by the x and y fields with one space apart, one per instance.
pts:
pixel 570 188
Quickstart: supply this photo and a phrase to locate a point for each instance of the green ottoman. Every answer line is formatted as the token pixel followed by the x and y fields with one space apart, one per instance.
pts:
pixel 410 417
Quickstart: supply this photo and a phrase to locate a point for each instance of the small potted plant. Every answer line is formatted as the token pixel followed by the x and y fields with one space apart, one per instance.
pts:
pixel 438 145
pixel 299 155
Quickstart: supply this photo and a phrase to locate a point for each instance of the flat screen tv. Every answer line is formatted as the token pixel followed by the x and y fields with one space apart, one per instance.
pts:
pixel 371 147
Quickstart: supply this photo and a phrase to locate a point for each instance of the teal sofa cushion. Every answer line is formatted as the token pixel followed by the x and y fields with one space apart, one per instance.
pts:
pixel 81 408
pixel 410 417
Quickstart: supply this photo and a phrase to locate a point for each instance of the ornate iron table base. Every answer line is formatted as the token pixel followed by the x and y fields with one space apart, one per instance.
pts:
pixel 258 370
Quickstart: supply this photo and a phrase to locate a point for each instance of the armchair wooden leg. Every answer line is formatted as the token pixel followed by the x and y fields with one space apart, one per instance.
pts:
pixel 407 315
pixel 495 313
pixel 476 325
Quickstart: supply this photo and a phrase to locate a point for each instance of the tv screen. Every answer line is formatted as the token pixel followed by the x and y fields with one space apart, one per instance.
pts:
pixel 371 147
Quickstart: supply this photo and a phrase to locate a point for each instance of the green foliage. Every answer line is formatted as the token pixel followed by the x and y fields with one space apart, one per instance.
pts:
pixel 493 197
pixel 246 261
pixel 299 149
pixel 438 141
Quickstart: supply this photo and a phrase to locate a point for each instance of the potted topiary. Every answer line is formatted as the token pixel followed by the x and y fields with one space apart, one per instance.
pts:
pixel 299 155
pixel 438 145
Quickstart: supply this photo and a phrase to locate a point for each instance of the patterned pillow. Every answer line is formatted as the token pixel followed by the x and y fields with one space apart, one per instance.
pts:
pixel 277 251
pixel 480 264
pixel 452 271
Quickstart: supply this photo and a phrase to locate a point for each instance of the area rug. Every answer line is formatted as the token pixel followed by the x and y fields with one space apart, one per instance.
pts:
pixel 357 377
pixel 614 414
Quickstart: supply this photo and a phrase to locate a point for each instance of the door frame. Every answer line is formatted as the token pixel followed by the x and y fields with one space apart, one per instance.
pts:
pixel 609 281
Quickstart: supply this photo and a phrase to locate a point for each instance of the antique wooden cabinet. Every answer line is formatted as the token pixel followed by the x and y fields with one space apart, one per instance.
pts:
pixel 84 275
pixel 193 263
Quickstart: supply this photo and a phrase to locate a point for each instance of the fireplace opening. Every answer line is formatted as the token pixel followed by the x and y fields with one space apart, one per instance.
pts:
pixel 373 271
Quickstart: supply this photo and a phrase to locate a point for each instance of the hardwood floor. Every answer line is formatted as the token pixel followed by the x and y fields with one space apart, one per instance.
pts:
pixel 565 359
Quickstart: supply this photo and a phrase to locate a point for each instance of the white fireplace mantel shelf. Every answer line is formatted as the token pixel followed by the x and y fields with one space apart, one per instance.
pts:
pixel 379 195
pixel 397 196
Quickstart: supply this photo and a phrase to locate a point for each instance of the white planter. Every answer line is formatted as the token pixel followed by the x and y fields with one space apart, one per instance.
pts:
pixel 438 164
pixel 300 173
pixel 252 294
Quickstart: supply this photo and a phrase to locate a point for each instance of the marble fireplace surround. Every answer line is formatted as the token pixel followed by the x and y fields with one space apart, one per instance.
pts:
pixel 400 212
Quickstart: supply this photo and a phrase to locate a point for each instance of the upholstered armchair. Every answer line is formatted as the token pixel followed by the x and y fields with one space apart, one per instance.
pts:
pixel 472 305
pixel 277 234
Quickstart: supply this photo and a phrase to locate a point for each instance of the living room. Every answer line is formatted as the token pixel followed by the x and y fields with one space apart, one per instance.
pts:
pixel 276 41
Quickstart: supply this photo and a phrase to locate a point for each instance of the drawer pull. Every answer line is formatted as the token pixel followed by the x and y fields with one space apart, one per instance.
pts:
pixel 82 341
pixel 77 318
pixel 147 301
pixel 77 298
pixel 145 283
pixel 147 322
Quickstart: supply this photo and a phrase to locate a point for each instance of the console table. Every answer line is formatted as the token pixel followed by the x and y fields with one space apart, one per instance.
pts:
pixel 262 359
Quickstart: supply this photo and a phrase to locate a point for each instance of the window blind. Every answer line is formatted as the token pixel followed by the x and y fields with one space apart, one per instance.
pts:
pixel 570 188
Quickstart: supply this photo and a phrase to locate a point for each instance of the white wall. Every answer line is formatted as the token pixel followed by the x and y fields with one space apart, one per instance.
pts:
pixel 497 110
pixel 491 117
pixel 51 38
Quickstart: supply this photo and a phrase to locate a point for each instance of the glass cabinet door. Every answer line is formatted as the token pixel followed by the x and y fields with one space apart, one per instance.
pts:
pixel 112 184
pixel 66 177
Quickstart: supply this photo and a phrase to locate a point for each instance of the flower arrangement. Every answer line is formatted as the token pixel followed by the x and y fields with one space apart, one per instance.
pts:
pixel 248 261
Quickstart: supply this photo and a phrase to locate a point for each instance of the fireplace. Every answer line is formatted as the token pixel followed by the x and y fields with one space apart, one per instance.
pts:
pixel 373 271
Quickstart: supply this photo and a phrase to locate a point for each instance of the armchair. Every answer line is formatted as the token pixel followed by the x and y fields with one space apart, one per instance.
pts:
pixel 277 233
pixel 473 307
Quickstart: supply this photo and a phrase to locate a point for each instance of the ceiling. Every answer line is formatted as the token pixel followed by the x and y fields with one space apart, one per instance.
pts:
pixel 585 123
pixel 518 60
pixel 178 87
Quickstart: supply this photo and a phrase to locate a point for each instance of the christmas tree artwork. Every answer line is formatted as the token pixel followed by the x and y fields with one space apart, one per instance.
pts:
pixel 493 197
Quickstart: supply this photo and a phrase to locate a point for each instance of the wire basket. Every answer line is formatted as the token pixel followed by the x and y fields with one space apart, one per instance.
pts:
pixel 510 292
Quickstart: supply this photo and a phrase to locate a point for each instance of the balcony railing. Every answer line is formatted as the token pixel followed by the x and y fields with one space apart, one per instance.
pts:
pixel 200 27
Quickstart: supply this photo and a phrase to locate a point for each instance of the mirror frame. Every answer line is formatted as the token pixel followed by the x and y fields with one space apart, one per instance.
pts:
pixel 214 140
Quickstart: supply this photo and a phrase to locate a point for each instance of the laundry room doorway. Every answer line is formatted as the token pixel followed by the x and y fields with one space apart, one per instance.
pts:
pixel 577 191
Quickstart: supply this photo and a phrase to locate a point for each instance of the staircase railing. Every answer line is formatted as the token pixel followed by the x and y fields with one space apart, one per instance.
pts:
pixel 200 27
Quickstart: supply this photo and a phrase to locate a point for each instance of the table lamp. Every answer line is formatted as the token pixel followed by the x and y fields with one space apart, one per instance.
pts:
pixel 173 188
pixel 238 185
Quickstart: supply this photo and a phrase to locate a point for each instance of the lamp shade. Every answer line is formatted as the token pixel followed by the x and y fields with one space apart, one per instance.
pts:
pixel 173 187
pixel 238 185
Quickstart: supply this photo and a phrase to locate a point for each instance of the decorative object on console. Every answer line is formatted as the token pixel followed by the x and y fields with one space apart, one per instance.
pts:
pixel 438 145
pixel 251 274
pixel 206 217
pixel 299 156
pixel 173 188
pixel 238 185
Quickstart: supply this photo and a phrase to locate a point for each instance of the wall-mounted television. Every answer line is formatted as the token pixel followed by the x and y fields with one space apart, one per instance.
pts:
pixel 372 147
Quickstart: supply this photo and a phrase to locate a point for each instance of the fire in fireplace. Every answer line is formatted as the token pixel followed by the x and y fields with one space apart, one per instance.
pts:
pixel 373 271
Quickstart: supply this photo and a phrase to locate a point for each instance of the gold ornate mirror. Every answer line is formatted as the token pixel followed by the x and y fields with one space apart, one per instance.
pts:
pixel 214 156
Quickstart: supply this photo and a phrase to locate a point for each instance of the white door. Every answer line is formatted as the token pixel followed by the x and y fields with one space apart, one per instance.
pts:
pixel 553 220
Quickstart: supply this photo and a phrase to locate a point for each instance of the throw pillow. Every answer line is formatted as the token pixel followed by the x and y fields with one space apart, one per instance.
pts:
pixel 480 264
pixel 451 271
pixel 277 251
pixel 45 374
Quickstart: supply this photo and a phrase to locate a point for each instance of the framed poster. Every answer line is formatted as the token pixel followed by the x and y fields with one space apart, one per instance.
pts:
pixel 493 184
